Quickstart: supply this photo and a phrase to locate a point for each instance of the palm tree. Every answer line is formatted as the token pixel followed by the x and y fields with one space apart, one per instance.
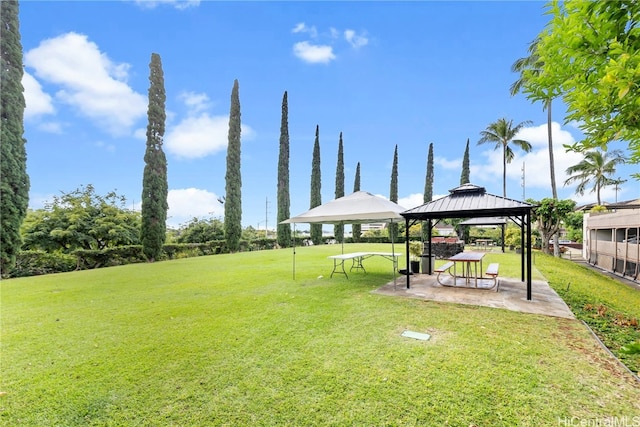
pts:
pixel 532 66
pixel 596 168
pixel 502 133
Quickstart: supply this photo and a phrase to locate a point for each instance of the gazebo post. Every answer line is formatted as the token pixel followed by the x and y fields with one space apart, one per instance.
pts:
pixel 429 253
pixel 522 246
pixel 528 219
pixel 406 243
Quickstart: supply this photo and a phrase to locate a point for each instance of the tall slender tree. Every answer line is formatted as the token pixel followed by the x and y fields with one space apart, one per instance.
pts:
pixel 393 193
pixel 154 181
pixel 233 178
pixel 338 229
pixel 356 229
pixel 428 189
pixel 464 176
pixel 529 68
pixel 284 200
pixel 596 168
pixel 14 181
pixel 316 195
pixel 502 133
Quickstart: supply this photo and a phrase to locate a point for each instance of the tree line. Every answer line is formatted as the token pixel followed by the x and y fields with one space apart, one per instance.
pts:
pixel 604 104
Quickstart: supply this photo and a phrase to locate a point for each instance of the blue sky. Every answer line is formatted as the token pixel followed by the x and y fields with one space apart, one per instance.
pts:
pixel 382 73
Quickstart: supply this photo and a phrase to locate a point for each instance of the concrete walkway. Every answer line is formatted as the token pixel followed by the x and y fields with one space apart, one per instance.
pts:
pixel 512 295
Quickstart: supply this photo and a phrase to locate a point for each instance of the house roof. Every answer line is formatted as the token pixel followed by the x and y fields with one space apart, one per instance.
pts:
pixel 468 201
pixel 485 221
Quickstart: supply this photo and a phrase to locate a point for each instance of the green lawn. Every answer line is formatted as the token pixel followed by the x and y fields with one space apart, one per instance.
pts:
pixel 234 340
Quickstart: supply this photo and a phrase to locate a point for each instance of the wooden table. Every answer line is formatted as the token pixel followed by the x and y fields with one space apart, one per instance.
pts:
pixel 467 259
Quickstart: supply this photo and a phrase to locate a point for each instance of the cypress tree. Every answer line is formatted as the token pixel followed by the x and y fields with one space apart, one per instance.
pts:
pixel 14 181
pixel 428 183
pixel 393 193
pixel 284 201
pixel 316 196
pixel 338 229
pixel 428 189
pixel 356 229
pixel 154 180
pixel 464 177
pixel 233 179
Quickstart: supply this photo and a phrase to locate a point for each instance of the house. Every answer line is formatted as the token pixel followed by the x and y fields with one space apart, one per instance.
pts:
pixel 611 239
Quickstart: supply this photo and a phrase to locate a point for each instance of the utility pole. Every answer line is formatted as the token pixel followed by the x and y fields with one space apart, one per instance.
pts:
pixel 266 218
pixel 523 195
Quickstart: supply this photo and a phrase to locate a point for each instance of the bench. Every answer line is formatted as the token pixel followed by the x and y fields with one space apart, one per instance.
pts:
pixel 492 270
pixel 443 268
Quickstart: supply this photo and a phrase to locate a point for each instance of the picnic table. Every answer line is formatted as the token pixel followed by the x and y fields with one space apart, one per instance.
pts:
pixel 357 259
pixel 484 243
pixel 469 274
pixel 467 259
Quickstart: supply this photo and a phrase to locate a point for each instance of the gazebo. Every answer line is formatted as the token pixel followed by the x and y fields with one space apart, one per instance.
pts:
pixel 472 201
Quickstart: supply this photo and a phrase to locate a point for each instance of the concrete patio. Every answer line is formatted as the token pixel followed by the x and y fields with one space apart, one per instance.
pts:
pixel 512 294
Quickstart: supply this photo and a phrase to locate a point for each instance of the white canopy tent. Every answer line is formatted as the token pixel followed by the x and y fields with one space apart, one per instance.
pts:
pixel 360 207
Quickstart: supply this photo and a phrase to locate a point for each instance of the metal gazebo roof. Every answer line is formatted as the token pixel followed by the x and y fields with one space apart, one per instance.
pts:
pixel 468 201
pixel 472 201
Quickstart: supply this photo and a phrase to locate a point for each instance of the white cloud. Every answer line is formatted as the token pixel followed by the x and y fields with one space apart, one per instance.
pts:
pixel 301 27
pixel 51 127
pixel 411 201
pixel 200 133
pixel 178 4
pixel 455 164
pixel 355 40
pixel 37 101
pixel 195 102
pixel 89 81
pixel 198 136
pixel 188 203
pixel 313 54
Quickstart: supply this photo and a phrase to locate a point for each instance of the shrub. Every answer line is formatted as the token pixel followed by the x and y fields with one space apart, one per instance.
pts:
pixel 35 263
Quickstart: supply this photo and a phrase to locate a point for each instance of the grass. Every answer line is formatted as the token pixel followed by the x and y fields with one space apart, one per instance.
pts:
pixel 610 308
pixel 234 340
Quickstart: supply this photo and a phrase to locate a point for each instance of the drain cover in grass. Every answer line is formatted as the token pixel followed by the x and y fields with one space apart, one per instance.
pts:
pixel 416 335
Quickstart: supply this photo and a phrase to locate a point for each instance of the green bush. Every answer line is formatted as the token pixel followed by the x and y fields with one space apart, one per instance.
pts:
pixel 35 263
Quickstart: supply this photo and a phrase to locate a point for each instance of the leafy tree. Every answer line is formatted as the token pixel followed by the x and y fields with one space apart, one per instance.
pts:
pixel 233 179
pixel 502 133
pixel 284 200
pixel 573 222
pixel 428 189
pixel 356 229
pixel 393 193
pixel 549 216
pixel 154 181
pixel 201 231
pixel 338 229
pixel 315 230
pixel 464 176
pixel 596 168
pixel 14 181
pixel 590 54
pixel 81 219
